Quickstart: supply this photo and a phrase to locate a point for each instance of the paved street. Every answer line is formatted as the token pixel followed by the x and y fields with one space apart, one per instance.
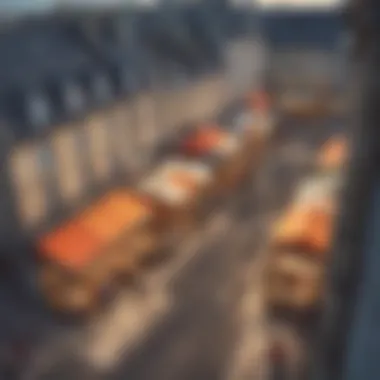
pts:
pixel 200 315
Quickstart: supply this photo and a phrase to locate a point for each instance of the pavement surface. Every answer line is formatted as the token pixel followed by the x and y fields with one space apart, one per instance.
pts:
pixel 200 315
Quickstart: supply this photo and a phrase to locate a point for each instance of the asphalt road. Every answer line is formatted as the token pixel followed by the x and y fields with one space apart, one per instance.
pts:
pixel 186 314
pixel 200 315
